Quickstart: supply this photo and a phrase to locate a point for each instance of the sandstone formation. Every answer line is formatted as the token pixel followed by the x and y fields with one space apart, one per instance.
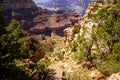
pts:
pixel 36 20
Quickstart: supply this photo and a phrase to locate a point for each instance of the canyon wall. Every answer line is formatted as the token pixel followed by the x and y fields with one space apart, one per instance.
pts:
pixel 36 20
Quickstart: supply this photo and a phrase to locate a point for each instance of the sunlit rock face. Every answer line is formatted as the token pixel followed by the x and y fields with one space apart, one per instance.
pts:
pixel 78 6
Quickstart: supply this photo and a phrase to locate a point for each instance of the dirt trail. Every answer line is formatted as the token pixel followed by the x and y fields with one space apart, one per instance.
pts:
pixel 58 68
pixel 55 72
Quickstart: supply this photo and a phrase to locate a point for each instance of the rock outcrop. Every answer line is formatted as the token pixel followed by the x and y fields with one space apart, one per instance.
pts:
pixel 39 54
pixel 36 20
pixel 86 23
pixel 115 76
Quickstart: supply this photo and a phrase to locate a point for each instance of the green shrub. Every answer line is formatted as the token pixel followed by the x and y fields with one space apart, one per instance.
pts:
pixel 106 37
pixel 73 46
pixel 108 67
pixel 78 56
pixel 42 68
pixel 115 55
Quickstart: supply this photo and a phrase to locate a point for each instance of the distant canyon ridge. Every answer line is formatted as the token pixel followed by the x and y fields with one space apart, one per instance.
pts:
pixel 78 6
pixel 36 20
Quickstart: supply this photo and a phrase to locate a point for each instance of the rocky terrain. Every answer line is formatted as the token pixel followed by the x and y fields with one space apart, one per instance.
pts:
pixel 69 69
pixel 36 20
pixel 59 49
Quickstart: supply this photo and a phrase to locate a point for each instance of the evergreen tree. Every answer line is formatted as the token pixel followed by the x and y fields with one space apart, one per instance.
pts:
pixel 16 45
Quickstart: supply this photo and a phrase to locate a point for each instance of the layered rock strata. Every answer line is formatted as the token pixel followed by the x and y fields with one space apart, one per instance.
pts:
pixel 36 20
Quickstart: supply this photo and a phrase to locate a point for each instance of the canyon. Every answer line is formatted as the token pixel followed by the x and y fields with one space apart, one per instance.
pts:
pixel 36 20
pixel 78 6
pixel 65 54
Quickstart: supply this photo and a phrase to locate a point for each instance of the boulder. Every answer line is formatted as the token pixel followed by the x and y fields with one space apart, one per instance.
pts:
pixel 39 54
pixel 115 76
pixel 96 75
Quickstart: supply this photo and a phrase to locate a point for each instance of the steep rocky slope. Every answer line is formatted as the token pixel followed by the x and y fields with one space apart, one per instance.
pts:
pixel 86 24
pixel 70 69
pixel 36 20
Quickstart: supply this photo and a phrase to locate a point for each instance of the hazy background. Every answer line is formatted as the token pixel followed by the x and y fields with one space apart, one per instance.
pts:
pixel 78 6
pixel 40 1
